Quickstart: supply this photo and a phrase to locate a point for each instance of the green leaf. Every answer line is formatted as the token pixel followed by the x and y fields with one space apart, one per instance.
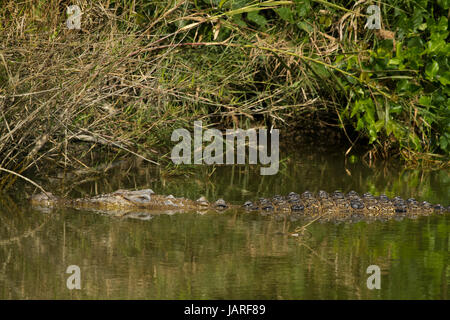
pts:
pixel 435 45
pixel 403 85
pixel 444 78
pixel 369 119
pixel 304 26
pixel 326 21
pixel 443 23
pixel 360 124
pixel 238 20
pixel 320 70
pixel 432 69
pixel 425 101
pixel 373 135
pixel 302 7
pixel 443 143
pixel 395 61
pixel 255 17
pixel 285 14
pixel 379 125
pixel 423 27
pixel 221 3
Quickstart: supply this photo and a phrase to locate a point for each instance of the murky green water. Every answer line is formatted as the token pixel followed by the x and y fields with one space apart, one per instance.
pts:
pixel 229 256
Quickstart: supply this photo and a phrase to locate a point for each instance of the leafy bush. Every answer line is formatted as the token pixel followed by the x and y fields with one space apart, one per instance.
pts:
pixel 394 91
pixel 141 68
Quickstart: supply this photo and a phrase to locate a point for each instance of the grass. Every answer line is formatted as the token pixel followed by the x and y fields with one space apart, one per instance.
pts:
pixel 137 70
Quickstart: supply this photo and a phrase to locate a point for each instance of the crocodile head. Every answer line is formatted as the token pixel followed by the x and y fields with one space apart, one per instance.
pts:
pixel 44 199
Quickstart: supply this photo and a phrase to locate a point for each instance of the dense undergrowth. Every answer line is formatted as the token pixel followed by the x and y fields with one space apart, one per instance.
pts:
pixel 139 69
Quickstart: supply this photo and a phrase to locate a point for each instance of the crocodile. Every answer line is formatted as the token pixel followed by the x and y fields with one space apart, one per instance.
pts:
pixel 143 204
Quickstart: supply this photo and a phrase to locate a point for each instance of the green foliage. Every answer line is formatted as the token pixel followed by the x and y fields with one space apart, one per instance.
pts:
pixel 416 72
pixel 392 91
pixel 411 73
pixel 155 66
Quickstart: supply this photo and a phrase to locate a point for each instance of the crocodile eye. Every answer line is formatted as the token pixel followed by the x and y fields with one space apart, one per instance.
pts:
pixel 221 204
pixel 144 198
pixel 248 204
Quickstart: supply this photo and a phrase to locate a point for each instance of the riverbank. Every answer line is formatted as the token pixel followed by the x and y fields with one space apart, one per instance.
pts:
pixel 135 72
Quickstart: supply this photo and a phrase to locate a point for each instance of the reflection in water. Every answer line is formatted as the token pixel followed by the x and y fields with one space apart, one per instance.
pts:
pixel 229 256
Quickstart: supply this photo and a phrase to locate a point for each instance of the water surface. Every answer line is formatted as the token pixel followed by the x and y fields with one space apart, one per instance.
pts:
pixel 231 255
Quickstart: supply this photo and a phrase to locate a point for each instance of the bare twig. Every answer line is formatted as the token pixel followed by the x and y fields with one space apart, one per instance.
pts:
pixel 26 179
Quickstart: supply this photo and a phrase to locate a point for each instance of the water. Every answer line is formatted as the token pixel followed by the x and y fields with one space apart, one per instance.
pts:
pixel 232 255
